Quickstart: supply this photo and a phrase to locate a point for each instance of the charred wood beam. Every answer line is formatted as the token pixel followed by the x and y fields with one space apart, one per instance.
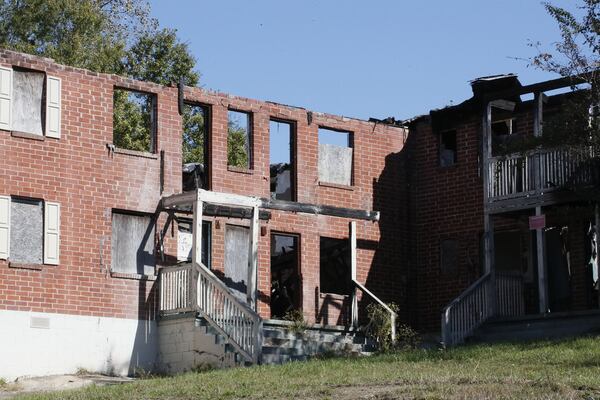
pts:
pixel 214 210
pixel 540 87
pixel 316 209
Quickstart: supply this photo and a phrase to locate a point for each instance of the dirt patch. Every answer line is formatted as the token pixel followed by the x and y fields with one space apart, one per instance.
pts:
pixel 54 383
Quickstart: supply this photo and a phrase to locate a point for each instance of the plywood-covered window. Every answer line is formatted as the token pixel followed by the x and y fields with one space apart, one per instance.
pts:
pixel 29 230
pixel 133 243
pixel 30 102
pixel 335 156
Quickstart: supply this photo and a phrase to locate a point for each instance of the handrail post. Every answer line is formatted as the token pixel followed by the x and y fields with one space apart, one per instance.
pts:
pixel 393 321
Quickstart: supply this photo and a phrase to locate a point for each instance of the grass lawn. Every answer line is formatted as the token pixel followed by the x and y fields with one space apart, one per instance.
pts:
pixel 546 370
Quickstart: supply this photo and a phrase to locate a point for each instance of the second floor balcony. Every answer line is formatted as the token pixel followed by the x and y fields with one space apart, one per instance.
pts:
pixel 536 173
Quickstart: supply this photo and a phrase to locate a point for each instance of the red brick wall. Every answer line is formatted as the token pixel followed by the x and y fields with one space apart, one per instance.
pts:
pixel 88 181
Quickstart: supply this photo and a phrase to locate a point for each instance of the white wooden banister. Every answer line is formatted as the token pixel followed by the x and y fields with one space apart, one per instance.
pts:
pixel 393 315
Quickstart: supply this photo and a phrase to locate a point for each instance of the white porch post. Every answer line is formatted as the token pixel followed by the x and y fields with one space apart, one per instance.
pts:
pixel 354 306
pixel 197 230
pixel 253 259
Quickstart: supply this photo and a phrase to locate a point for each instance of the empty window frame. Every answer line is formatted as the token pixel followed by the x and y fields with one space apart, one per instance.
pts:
pixel 29 230
pixel 195 145
pixel 239 139
pixel 30 102
pixel 448 149
pixel 335 268
pixel 448 256
pixel 282 160
pixel 133 243
pixel 503 127
pixel 134 120
pixel 285 274
pixel 185 239
pixel 335 156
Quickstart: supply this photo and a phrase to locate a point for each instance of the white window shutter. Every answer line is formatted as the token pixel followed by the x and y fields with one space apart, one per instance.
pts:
pixel 53 107
pixel 4 227
pixel 51 232
pixel 5 98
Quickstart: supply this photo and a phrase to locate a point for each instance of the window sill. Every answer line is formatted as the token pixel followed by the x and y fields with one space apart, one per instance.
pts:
pixel 26 135
pixel 136 153
pixel 139 277
pixel 333 296
pixel 32 267
pixel 240 170
pixel 336 186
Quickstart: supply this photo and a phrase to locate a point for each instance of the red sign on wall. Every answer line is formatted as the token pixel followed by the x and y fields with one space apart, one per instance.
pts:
pixel 537 222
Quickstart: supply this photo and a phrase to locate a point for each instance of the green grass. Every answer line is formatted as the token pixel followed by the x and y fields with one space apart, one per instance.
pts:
pixel 549 370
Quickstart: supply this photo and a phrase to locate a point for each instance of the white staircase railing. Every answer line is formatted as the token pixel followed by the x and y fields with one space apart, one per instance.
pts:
pixel 393 315
pixel 467 312
pixel 475 306
pixel 196 288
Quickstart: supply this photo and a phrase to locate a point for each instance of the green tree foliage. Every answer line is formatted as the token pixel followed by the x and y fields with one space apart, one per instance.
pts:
pixel 194 134
pixel 110 36
pixel 132 121
pixel 161 58
pixel 237 145
pixel 577 53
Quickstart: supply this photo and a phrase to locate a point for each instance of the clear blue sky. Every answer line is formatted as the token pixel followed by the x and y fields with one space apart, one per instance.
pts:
pixel 359 58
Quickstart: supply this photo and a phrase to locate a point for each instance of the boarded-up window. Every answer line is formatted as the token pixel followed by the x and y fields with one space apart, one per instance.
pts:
pixel 28 100
pixel 134 120
pixel 133 243
pixel 237 242
pixel 335 266
pixel 26 231
pixel 448 256
pixel 185 241
pixel 239 139
pixel 447 148
pixel 335 157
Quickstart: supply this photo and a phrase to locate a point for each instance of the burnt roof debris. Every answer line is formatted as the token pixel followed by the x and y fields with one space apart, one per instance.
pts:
pixel 392 121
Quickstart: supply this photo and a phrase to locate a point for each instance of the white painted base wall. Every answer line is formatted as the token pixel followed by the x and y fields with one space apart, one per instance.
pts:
pixel 36 344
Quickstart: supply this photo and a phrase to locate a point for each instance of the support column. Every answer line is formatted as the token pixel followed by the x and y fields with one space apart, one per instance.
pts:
pixel 253 260
pixel 197 230
pixel 541 266
pixel 354 309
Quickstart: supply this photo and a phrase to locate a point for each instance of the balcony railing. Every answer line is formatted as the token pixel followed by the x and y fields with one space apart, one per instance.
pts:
pixel 541 171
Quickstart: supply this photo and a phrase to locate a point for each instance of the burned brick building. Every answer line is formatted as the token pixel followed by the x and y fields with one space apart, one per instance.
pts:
pixel 217 221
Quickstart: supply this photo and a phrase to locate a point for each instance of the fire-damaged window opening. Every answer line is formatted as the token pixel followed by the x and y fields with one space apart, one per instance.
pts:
pixel 335 156
pixel 285 274
pixel 196 122
pixel 239 139
pixel 134 120
pixel 503 127
pixel 281 163
pixel 28 103
pixel 448 148
pixel 448 256
pixel 185 238
pixel 26 230
pixel 133 243
pixel 335 266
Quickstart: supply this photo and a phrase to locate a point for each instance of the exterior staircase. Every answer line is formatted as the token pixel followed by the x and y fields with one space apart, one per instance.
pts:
pixel 188 342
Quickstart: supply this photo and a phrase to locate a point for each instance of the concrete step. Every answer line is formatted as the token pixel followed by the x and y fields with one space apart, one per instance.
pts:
pixel 548 326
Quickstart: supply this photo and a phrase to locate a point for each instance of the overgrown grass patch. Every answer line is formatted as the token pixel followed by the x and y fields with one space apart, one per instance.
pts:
pixel 551 370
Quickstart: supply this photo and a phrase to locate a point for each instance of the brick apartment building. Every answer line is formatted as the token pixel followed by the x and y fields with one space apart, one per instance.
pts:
pixel 91 223
pixel 82 235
